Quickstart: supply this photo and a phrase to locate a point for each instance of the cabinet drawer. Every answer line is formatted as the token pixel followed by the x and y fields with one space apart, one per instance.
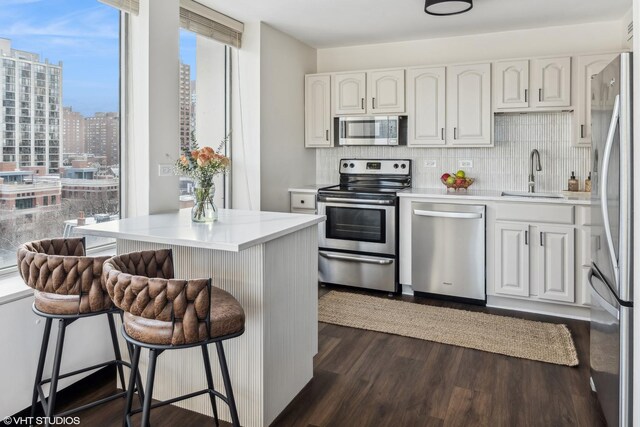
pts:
pixel 303 201
pixel 533 212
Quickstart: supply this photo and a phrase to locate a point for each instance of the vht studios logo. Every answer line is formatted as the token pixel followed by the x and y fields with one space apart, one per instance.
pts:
pixel 28 421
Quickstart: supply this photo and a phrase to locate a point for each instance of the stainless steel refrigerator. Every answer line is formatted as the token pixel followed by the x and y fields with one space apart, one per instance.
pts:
pixel 611 271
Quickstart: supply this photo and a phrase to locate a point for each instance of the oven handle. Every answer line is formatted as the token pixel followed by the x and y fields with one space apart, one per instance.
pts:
pixel 358 201
pixel 440 214
pixel 353 258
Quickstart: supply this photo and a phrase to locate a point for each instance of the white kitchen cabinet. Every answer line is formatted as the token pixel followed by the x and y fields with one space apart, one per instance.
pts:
pixel 587 67
pixel 551 82
pixel 303 202
pixel 317 111
pixel 350 93
pixel 512 259
pixel 511 85
pixel 556 263
pixel 426 92
pixel 386 92
pixel 469 105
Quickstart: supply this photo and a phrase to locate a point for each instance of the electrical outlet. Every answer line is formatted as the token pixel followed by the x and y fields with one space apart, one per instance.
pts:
pixel 429 163
pixel 465 164
pixel 165 170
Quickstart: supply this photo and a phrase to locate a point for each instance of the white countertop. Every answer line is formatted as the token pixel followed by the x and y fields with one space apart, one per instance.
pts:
pixel 235 230
pixel 571 198
pixel 311 188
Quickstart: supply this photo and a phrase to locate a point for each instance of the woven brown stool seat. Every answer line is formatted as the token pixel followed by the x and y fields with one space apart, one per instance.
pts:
pixel 67 286
pixel 163 313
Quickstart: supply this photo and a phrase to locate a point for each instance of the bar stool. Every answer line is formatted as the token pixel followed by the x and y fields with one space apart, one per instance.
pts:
pixel 67 287
pixel 162 313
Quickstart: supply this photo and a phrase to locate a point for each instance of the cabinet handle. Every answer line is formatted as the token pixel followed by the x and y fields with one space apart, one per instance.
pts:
pixel 455 133
pixel 581 131
pixel 526 95
pixel 540 95
pixel 302 202
pixel 526 237
pixel 541 238
pixel 327 134
pixel 373 103
pixel 442 133
pixel 362 104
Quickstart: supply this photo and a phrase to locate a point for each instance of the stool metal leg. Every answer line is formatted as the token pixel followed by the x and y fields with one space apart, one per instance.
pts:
pixel 227 384
pixel 135 360
pixel 51 404
pixel 207 368
pixel 116 349
pixel 151 372
pixel 41 360
pixel 137 372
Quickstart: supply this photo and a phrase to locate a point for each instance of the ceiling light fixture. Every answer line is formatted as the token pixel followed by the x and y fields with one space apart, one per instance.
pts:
pixel 447 7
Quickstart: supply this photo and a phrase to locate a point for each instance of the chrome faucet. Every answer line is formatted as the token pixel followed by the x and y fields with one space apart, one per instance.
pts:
pixel 532 179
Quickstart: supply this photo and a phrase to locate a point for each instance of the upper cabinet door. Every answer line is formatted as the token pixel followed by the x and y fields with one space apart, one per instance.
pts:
pixel 349 93
pixel 317 111
pixel 511 84
pixel 386 92
pixel 587 67
pixel 469 104
pixel 551 82
pixel 426 106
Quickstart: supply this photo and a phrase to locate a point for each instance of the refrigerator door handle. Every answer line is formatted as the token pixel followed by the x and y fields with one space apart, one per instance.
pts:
pixel 604 182
pixel 600 300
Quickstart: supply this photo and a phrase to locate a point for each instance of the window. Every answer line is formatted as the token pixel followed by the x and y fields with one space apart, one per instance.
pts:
pixel 54 81
pixel 205 69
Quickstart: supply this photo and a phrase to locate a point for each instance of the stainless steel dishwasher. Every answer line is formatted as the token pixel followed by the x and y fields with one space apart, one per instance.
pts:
pixel 448 251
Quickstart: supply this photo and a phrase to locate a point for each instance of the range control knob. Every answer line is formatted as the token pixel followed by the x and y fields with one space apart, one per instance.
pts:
pixel 345 165
pixel 351 165
pixel 396 166
pixel 403 166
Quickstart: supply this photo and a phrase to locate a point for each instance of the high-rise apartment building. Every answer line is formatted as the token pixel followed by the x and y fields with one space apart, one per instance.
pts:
pixel 102 136
pixel 185 105
pixel 31 97
pixel 73 135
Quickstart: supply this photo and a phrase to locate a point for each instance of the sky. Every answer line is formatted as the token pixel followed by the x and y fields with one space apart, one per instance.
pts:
pixel 83 34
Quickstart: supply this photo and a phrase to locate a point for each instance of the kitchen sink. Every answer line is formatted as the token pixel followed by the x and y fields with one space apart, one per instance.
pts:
pixel 533 195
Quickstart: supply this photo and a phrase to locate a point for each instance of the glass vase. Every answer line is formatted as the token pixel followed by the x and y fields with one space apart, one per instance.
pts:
pixel 204 209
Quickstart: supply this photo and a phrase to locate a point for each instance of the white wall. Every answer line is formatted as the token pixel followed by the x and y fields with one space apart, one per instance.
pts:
pixel 245 116
pixel 284 161
pixel 152 115
pixel 268 118
pixel 571 39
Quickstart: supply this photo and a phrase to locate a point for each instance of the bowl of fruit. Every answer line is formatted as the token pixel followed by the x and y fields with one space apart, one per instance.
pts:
pixel 456 181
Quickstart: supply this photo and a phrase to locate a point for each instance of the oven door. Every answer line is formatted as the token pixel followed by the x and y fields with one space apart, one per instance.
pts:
pixel 359 227
pixel 381 130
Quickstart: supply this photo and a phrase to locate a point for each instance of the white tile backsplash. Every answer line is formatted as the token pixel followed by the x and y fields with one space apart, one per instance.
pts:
pixel 503 167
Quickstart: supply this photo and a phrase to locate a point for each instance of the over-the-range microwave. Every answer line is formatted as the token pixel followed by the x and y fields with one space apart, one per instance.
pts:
pixel 373 130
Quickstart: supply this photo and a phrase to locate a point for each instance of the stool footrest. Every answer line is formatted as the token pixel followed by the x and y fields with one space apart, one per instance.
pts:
pixel 90 368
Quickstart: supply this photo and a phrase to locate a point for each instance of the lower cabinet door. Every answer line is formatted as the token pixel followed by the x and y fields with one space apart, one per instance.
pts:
pixel 556 263
pixel 512 259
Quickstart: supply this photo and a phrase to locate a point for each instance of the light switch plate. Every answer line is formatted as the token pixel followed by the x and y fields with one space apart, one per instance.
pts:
pixel 465 163
pixel 429 163
pixel 165 170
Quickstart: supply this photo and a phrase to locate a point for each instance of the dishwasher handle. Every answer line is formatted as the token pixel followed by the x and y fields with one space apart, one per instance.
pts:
pixel 441 214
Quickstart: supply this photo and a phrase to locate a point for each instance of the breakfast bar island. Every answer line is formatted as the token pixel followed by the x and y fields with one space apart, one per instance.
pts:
pixel 269 262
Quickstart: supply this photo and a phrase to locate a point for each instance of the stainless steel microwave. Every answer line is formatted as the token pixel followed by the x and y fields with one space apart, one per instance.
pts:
pixel 374 130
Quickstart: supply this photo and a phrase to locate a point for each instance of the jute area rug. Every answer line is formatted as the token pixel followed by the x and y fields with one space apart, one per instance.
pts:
pixel 526 339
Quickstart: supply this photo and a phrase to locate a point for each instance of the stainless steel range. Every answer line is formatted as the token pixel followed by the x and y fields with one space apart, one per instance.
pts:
pixel 359 240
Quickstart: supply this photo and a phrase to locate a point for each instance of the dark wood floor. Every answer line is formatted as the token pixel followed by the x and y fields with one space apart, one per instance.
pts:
pixel 366 378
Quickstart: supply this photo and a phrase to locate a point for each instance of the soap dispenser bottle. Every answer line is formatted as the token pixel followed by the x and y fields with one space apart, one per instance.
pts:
pixel 587 184
pixel 573 182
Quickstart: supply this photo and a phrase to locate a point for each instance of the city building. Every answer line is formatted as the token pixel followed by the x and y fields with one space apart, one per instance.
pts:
pixel 185 105
pixel 102 136
pixel 73 134
pixel 19 190
pixel 31 97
